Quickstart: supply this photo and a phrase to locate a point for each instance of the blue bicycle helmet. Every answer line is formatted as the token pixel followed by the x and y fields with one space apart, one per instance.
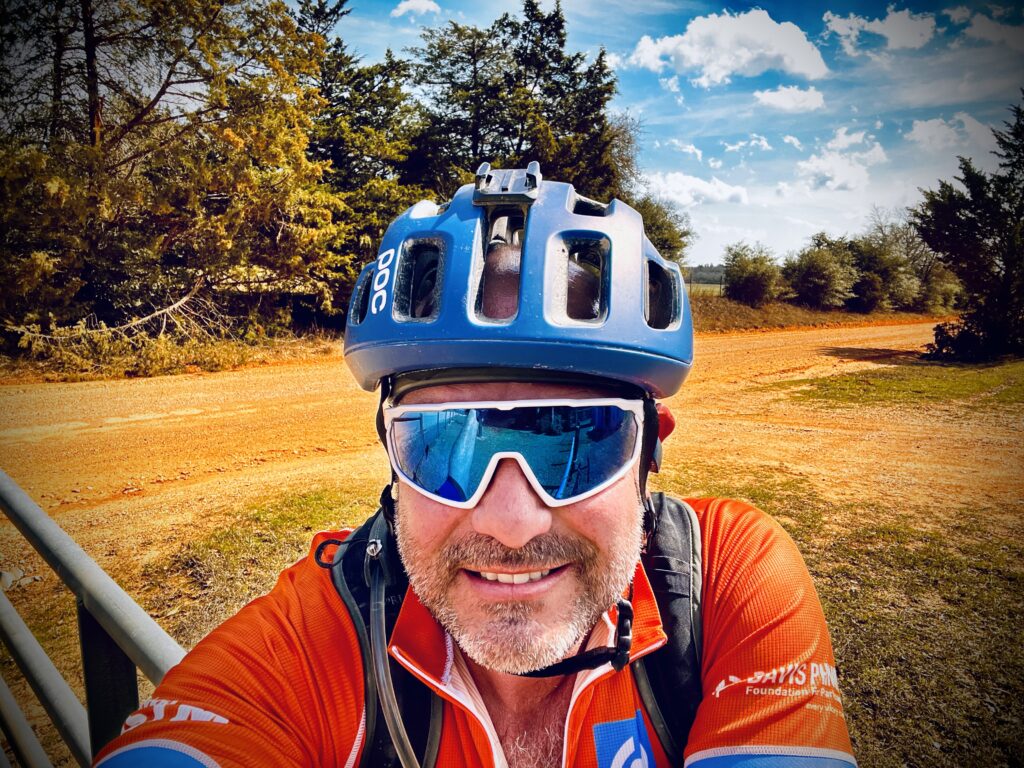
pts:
pixel 421 306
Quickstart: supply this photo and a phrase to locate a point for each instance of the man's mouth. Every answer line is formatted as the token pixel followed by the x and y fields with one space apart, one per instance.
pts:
pixel 523 577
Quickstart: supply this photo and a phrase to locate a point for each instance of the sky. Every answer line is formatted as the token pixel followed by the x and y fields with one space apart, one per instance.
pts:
pixel 768 123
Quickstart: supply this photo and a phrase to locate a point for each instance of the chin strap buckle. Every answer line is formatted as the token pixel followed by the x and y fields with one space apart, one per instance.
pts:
pixel 623 635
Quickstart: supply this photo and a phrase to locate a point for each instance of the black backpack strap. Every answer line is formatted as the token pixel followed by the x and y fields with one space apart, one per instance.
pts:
pixel 349 574
pixel 668 680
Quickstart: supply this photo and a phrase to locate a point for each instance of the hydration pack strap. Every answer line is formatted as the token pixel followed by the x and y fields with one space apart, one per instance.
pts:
pixel 376 571
pixel 354 573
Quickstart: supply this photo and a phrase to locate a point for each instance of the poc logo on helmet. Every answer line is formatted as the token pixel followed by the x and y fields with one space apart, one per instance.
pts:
pixel 381 278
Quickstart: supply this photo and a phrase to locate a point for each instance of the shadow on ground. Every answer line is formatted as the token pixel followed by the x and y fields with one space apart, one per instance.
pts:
pixel 864 354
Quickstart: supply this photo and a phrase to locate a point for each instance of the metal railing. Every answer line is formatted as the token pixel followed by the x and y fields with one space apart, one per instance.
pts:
pixel 116 635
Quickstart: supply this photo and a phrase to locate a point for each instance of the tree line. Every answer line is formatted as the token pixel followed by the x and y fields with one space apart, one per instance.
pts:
pixel 961 248
pixel 888 267
pixel 200 168
pixel 191 165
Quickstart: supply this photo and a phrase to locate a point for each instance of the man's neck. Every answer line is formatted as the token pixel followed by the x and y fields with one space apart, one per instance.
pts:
pixel 526 711
pixel 513 694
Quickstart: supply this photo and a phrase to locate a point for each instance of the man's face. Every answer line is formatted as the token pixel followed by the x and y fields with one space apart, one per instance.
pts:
pixel 576 560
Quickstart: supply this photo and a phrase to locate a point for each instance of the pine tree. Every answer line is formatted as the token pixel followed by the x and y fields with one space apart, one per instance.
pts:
pixel 976 229
pixel 158 150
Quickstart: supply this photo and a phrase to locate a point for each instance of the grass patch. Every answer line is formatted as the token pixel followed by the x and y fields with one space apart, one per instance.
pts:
pixel 712 313
pixel 212 577
pixel 916 382
pixel 704 289
pixel 143 356
pixel 926 627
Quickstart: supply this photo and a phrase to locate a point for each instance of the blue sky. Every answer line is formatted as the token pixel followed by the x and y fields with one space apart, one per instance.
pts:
pixel 774 121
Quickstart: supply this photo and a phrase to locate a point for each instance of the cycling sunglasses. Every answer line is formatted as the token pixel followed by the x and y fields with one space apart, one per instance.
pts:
pixel 569 450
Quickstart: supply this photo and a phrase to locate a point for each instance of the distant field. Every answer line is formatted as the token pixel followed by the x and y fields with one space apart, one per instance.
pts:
pixel 704 289
pixel 916 381
pixel 714 313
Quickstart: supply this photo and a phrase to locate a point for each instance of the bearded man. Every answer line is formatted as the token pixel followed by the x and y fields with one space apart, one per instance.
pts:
pixel 521 598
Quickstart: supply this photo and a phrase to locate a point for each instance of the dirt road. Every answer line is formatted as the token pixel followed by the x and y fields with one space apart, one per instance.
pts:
pixel 128 466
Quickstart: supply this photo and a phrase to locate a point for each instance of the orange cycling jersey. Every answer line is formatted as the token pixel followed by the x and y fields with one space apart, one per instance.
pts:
pixel 281 683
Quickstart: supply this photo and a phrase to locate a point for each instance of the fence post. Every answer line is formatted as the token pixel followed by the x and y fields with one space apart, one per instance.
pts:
pixel 111 686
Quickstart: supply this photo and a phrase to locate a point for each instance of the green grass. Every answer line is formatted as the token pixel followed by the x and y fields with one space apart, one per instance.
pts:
pixel 212 576
pixel 704 289
pixel 916 382
pixel 714 313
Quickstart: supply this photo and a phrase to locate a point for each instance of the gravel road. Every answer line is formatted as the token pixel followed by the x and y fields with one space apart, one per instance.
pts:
pixel 153 460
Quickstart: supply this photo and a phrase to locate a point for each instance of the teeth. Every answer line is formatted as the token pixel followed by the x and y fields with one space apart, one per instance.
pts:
pixel 514 578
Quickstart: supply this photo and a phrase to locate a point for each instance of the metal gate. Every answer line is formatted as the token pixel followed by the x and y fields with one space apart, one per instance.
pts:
pixel 116 636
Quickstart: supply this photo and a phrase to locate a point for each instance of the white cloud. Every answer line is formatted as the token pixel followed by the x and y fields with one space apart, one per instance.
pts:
pixel 689 191
pixel 720 46
pixel 878 125
pixel 755 141
pixel 689 149
pixel 670 83
pixel 837 167
pixel 847 30
pixel 614 61
pixel 962 131
pixel 415 7
pixel 790 98
pixel 958 15
pixel 979 135
pixel 983 28
pixel 998 11
pixel 842 139
pixel 714 162
pixel 933 134
pixel 901 29
pixel 793 141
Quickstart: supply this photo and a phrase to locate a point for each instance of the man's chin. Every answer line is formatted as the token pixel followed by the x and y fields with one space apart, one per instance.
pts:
pixel 517 646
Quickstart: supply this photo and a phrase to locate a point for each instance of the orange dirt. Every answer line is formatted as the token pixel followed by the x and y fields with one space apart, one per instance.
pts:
pixel 130 467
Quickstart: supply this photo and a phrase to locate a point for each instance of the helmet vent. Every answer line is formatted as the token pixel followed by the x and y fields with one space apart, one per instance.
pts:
pixel 497 298
pixel 505 225
pixel 360 303
pixel 418 281
pixel 662 308
pixel 586 277
pixel 584 206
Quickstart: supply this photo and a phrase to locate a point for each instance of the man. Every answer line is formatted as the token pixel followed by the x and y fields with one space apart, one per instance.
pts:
pixel 556 612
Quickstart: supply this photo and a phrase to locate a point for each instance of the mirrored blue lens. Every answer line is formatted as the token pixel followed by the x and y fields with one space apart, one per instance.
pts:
pixel 570 449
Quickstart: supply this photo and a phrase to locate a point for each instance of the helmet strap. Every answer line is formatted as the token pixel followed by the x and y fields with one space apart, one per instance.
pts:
pixel 617 654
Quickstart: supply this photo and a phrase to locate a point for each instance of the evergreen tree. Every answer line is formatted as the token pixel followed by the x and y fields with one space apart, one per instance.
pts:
pixel 976 229
pixel 364 131
pixel 510 94
pixel 157 150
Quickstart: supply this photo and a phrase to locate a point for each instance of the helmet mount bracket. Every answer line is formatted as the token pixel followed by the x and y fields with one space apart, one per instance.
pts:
pixel 508 186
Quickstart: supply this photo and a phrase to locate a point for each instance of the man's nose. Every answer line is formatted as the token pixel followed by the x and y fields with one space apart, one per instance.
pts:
pixel 510 511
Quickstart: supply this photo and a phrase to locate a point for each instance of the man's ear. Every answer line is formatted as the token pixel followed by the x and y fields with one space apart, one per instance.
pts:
pixel 666 422
pixel 666 425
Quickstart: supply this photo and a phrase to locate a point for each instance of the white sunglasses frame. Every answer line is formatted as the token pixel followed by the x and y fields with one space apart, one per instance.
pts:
pixel 635 407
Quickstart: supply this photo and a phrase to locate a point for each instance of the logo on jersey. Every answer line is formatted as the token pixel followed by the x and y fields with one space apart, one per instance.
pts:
pixel 623 744
pixel 798 679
